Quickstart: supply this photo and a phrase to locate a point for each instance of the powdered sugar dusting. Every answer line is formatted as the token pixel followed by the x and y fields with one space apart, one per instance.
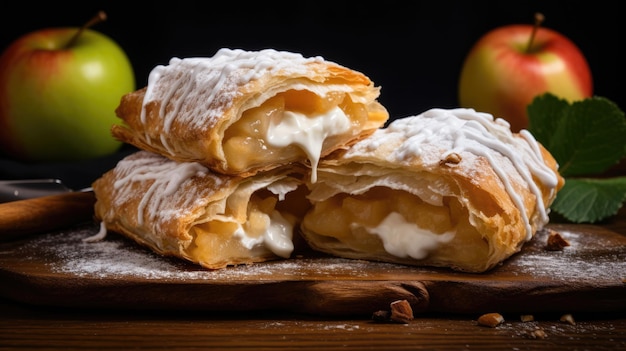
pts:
pixel 590 259
pixel 117 257
pixel 199 79
pixel 65 252
pixel 578 262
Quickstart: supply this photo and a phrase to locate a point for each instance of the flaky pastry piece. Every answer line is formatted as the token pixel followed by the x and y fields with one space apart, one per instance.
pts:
pixel 446 188
pixel 187 211
pixel 241 112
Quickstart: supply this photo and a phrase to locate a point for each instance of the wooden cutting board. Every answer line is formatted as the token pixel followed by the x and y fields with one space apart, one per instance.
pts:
pixel 59 269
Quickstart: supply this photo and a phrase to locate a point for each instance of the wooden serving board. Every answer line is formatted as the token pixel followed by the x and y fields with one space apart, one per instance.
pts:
pixel 59 269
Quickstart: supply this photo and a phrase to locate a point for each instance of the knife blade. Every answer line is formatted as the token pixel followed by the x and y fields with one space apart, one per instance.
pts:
pixel 18 189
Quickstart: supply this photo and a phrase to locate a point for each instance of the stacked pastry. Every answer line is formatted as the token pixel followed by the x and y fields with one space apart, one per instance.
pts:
pixel 245 151
pixel 224 141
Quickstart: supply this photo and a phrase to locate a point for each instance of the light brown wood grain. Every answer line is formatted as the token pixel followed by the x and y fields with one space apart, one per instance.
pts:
pixel 34 327
pixel 38 215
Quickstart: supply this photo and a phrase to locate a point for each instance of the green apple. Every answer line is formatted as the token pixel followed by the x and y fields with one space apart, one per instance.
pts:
pixel 510 65
pixel 59 88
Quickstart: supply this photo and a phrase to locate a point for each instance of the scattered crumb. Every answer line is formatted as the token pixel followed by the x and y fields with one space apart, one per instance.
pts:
pixel 527 318
pixel 452 158
pixel 568 318
pixel 401 312
pixel 537 334
pixel 555 241
pixel 491 320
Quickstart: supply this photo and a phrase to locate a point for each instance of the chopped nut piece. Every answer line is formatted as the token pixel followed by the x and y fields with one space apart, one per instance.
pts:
pixel 490 319
pixel 568 318
pixel 555 241
pixel 527 318
pixel 538 334
pixel 452 158
pixel 401 311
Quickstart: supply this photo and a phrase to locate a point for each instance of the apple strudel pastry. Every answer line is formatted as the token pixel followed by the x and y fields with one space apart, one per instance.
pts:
pixel 183 209
pixel 241 112
pixel 446 188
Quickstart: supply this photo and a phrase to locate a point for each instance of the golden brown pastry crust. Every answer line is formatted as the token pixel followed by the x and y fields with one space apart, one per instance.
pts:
pixel 453 198
pixel 187 108
pixel 182 209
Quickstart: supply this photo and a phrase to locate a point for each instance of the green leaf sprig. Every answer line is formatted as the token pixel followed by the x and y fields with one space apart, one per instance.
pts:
pixel 586 138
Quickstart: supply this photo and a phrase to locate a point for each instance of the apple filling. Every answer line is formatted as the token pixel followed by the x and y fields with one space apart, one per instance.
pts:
pixel 384 221
pixel 292 125
pixel 264 225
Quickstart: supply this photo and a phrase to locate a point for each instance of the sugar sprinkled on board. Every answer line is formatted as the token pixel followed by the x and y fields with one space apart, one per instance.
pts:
pixel 117 257
pixel 575 262
pixel 65 252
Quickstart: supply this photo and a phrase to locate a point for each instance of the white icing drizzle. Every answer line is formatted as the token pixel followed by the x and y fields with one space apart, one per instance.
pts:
pixel 401 238
pixel 99 236
pixel 167 176
pixel 470 134
pixel 308 132
pixel 223 73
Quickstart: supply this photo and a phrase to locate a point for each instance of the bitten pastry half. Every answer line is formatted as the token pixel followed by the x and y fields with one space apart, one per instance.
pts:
pixel 446 188
pixel 187 211
pixel 241 112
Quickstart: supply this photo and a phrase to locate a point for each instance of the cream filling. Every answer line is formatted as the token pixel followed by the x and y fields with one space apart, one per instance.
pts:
pixel 308 132
pixel 277 232
pixel 401 238
pixel 277 236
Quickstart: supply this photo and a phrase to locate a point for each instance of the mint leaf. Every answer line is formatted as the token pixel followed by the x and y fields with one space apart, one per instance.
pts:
pixel 545 113
pixel 590 200
pixel 586 137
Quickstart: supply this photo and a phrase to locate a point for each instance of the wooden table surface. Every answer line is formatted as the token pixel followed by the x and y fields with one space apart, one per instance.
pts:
pixel 24 326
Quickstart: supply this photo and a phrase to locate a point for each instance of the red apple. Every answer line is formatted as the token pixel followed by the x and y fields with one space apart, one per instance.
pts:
pixel 511 65
pixel 59 88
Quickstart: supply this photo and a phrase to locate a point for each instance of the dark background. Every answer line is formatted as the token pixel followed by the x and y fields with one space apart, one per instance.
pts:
pixel 413 50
